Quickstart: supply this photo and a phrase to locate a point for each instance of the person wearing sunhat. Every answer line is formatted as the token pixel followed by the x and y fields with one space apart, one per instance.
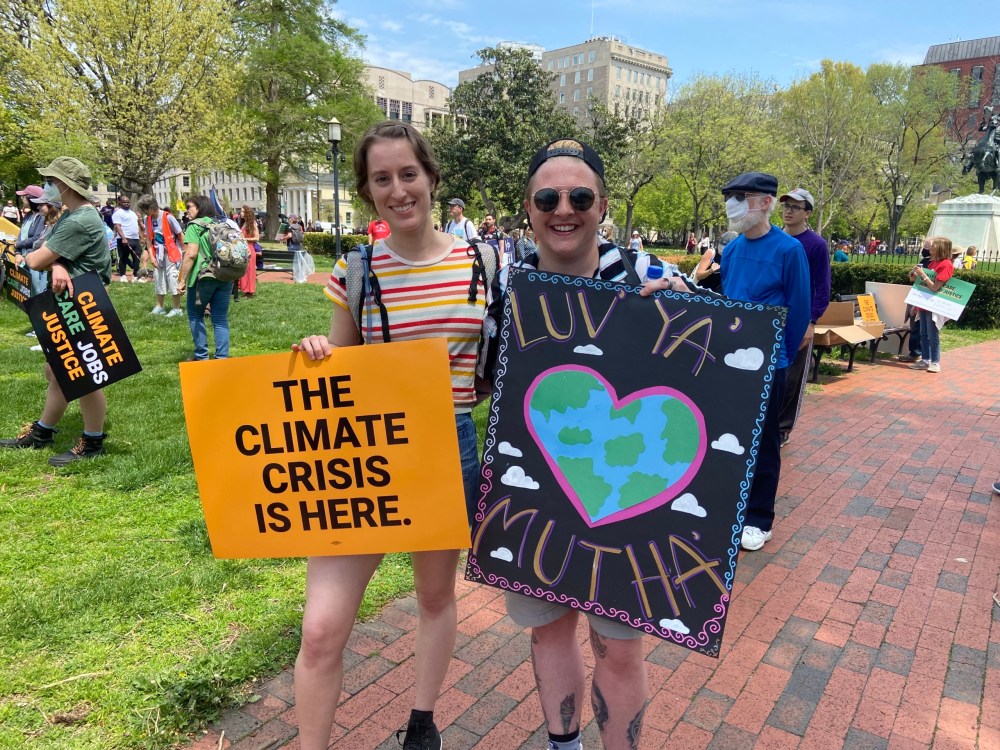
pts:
pixel 764 265
pixel 76 245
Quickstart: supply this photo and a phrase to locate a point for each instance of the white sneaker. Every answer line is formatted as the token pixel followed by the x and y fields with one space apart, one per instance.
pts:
pixel 36 348
pixel 158 311
pixel 920 364
pixel 934 367
pixel 754 538
pixel 174 313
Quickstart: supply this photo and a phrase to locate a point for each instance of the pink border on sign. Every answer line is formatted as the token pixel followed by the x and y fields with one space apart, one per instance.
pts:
pixel 646 505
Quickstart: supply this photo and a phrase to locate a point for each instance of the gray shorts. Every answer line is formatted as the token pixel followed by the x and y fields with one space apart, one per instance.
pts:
pixel 165 277
pixel 529 612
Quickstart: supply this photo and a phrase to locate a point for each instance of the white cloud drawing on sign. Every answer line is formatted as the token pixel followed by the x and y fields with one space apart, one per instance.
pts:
pixel 515 477
pixel 729 443
pixel 508 450
pixel 588 349
pixel 688 503
pixel 676 625
pixel 502 553
pixel 746 359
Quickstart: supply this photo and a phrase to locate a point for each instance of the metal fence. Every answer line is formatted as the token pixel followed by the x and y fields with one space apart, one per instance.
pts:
pixel 907 251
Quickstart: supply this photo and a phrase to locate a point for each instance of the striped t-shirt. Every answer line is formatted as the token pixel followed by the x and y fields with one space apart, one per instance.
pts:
pixel 425 299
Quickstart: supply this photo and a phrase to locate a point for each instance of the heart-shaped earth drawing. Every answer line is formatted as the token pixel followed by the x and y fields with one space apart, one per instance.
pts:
pixel 614 458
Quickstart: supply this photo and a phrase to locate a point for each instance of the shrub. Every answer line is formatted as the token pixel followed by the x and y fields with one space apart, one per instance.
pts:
pixel 321 243
pixel 983 311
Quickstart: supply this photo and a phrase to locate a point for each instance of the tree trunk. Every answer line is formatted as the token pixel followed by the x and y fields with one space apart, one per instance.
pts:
pixel 271 197
pixel 486 198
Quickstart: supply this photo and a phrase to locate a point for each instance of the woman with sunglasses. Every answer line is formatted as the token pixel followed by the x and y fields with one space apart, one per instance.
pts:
pixel 566 201
pixel 424 278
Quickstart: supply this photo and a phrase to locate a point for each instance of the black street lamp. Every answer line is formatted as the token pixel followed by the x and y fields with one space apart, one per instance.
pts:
pixel 897 209
pixel 333 135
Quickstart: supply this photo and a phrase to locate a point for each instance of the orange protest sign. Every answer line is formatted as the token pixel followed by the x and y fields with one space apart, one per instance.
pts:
pixel 354 454
pixel 866 305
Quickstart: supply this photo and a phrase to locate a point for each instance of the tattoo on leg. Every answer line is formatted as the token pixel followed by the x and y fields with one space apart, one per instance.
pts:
pixel 598 644
pixel 635 729
pixel 567 710
pixel 600 706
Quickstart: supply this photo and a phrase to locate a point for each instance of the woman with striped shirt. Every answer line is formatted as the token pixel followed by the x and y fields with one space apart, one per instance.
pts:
pixel 424 278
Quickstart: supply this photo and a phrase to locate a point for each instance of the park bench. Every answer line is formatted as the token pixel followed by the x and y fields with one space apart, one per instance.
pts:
pixel 851 349
pixel 276 260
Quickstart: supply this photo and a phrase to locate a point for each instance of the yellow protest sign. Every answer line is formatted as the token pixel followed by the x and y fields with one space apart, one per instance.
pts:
pixel 866 304
pixel 354 454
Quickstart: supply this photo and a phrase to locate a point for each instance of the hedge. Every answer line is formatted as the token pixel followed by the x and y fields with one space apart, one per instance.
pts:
pixel 323 243
pixel 983 311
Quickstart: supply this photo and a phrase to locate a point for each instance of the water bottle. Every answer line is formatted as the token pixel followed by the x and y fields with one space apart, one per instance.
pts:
pixel 654 272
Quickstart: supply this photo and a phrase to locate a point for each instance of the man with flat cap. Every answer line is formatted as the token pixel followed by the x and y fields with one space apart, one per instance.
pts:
pixel 76 246
pixel 765 266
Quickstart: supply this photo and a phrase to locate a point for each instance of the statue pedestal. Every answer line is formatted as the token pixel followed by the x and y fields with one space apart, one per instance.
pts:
pixel 970 220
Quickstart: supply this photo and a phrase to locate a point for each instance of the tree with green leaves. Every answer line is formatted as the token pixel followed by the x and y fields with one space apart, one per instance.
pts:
pixel 631 143
pixel 718 127
pixel 827 119
pixel 503 116
pixel 126 89
pixel 298 71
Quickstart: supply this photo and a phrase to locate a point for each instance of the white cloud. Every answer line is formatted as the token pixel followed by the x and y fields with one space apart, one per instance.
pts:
pixel 502 553
pixel 746 359
pixel 509 450
pixel 729 443
pixel 515 477
pixel 675 625
pixel 588 349
pixel 392 25
pixel 688 503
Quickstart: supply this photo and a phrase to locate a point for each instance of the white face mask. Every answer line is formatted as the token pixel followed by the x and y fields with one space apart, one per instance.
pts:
pixel 736 210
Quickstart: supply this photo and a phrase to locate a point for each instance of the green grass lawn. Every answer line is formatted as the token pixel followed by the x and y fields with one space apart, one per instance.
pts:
pixel 118 629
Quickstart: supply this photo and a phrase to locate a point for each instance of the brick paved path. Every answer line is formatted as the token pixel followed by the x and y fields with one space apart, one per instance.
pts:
pixel 868 621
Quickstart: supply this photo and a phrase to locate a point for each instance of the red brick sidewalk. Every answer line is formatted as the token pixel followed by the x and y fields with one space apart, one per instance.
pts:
pixel 868 622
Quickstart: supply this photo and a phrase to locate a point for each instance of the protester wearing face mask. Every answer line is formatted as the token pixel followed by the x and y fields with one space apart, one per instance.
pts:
pixel 765 266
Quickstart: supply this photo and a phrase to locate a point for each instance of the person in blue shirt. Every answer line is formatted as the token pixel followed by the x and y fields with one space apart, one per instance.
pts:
pixel 765 266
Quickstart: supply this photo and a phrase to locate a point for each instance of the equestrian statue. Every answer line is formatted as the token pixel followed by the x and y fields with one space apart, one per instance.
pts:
pixel 985 156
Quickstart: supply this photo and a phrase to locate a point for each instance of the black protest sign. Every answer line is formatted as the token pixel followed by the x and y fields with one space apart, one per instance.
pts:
pixel 620 451
pixel 82 337
pixel 16 283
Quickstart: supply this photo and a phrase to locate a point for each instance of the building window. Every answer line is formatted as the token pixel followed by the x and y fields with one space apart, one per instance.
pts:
pixel 576 95
pixel 562 97
pixel 576 78
pixel 394 109
pixel 593 55
pixel 618 72
pixel 381 83
pixel 381 103
pixel 590 91
pixel 407 111
pixel 576 111
pixel 430 92
pixel 562 79
pixel 995 98
pixel 976 85
pixel 618 90
pixel 590 74
pixel 186 181
pixel 566 61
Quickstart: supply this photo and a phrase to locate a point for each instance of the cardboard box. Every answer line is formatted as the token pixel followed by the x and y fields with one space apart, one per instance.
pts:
pixel 838 326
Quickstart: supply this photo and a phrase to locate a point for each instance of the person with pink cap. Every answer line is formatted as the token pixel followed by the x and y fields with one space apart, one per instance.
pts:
pixel 31 231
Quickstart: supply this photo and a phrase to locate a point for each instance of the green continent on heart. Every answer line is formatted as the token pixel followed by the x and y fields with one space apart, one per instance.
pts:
pixel 562 391
pixel 624 450
pixel 575 436
pixel 629 411
pixel 640 487
pixel 592 489
pixel 680 432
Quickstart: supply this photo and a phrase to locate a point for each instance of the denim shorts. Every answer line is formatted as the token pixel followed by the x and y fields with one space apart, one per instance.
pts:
pixel 468 450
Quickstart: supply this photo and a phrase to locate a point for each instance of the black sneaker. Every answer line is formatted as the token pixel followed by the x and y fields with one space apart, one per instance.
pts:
pixel 32 436
pixel 86 447
pixel 784 439
pixel 420 736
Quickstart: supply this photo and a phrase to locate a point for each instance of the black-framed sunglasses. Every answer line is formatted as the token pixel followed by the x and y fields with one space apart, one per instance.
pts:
pixel 738 196
pixel 547 199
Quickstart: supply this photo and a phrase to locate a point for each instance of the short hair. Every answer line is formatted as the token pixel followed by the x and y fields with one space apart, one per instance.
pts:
pixel 940 248
pixel 147 203
pixel 389 130
pixel 203 205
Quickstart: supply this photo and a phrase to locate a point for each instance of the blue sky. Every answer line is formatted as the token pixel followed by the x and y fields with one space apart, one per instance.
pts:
pixel 783 40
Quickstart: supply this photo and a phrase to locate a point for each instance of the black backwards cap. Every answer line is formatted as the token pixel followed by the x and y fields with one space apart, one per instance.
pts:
pixel 567 147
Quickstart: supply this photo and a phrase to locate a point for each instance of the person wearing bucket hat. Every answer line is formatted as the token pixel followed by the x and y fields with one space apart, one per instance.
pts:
pixel 764 265
pixel 76 245
pixel 566 201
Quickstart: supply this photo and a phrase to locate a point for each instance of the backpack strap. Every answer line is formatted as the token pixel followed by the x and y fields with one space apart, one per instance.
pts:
pixel 362 286
pixel 631 277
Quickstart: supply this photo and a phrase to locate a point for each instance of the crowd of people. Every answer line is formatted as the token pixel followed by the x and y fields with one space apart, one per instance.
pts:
pixel 566 204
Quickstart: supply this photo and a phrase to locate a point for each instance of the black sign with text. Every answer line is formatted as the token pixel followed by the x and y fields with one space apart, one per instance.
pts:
pixel 16 283
pixel 82 337
pixel 620 449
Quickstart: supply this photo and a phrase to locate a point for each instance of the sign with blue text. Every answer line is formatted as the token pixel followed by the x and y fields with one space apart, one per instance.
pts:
pixel 620 450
